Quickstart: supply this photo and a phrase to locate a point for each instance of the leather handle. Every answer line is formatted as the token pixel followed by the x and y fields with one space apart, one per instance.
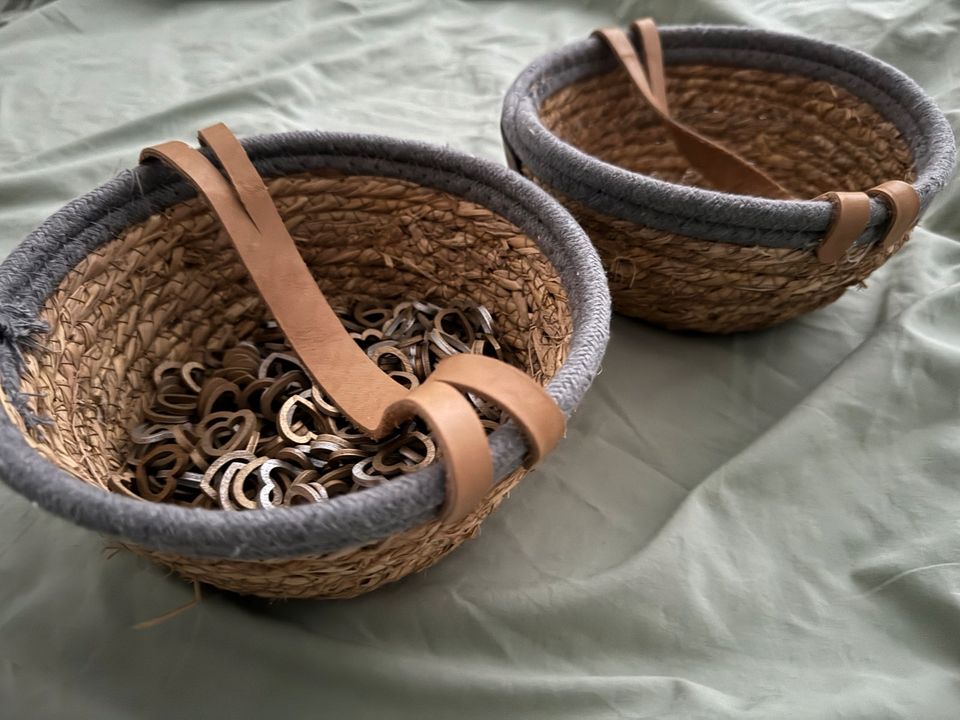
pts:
pixel 366 395
pixel 730 172
pixel 723 168
pixel 852 215
pixel 646 29
pixel 250 219
pixel 904 203
pixel 462 440
pixel 504 385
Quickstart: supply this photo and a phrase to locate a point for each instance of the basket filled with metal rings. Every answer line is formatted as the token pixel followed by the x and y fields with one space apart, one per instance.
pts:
pixel 301 366
pixel 731 178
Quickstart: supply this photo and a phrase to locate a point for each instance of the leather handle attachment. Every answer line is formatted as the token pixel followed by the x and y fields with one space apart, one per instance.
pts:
pixel 904 203
pixel 852 215
pixel 506 386
pixel 373 401
pixel 722 167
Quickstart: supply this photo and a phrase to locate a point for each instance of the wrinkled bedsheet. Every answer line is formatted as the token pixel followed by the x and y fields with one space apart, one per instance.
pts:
pixel 758 526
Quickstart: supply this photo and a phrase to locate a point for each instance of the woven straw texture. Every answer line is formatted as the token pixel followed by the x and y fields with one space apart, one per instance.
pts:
pixel 172 286
pixel 811 136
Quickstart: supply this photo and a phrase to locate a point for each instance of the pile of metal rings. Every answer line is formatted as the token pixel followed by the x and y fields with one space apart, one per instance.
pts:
pixel 246 429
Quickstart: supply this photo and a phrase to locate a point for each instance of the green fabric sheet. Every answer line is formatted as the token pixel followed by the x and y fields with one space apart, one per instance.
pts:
pixel 758 526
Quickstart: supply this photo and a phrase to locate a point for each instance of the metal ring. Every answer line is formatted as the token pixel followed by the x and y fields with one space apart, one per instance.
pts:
pixel 239 480
pixel 213 475
pixel 301 493
pixel 298 433
pixel 263 369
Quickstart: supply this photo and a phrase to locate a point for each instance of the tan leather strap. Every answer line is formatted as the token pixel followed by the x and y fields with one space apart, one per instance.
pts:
pixel 372 401
pixel 721 167
pixel 646 28
pixel 511 389
pixel 457 429
pixel 851 214
pixel 336 363
pixel 904 202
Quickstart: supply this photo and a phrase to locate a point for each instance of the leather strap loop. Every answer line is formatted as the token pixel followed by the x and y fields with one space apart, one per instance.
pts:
pixel 850 218
pixel 366 395
pixel 722 167
pixel 462 440
pixel 541 421
pixel 521 396
pixel 904 202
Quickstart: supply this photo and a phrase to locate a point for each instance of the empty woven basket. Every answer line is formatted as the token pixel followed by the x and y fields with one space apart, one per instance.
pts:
pixel 137 272
pixel 813 116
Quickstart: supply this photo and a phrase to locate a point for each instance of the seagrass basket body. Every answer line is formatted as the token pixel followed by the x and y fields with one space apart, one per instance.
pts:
pixel 815 117
pixel 137 272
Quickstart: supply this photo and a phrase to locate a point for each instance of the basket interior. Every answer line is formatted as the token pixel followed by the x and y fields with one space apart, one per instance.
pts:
pixel 810 135
pixel 172 286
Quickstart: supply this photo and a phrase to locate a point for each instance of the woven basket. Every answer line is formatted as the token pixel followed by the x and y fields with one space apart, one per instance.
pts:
pixel 814 116
pixel 137 272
